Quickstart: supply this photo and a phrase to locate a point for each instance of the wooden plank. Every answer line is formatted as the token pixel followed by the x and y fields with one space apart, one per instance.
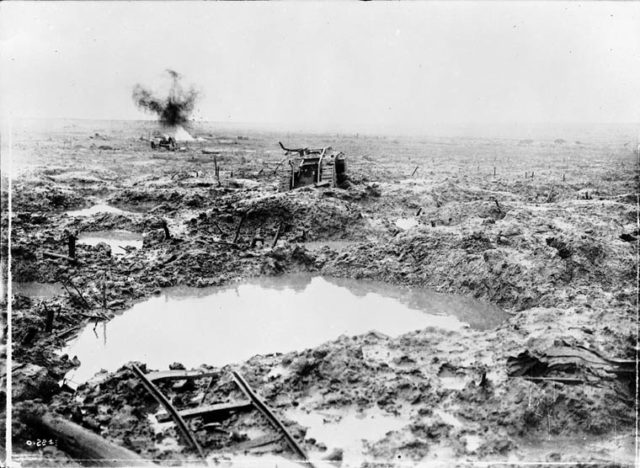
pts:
pixel 221 410
pixel 83 445
pixel 49 254
pixel 179 375
pixel 258 442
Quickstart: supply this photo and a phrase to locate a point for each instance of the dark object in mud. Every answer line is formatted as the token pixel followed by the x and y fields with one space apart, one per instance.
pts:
pixel 72 244
pixel 165 228
pixel 564 251
pixel 48 327
pixel 501 212
pixel 29 336
pixel 267 413
pixel 320 167
pixel 562 362
pixel 79 293
pixel 277 236
pixel 237 235
pixel 627 237
pixel 160 398
pixel 81 443
pixel 258 239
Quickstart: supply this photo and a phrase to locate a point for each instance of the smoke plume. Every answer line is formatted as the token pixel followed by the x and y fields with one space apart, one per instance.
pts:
pixel 172 111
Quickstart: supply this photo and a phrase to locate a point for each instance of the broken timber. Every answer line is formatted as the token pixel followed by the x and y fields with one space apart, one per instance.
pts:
pixel 242 220
pixel 179 375
pixel 277 236
pixel 49 254
pixel 267 413
pixel 82 444
pixel 210 411
pixel 160 398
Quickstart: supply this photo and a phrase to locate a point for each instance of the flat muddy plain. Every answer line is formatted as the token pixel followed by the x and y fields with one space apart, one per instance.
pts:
pixel 541 230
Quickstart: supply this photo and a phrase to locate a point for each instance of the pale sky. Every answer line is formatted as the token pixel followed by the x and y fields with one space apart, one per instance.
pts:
pixel 400 65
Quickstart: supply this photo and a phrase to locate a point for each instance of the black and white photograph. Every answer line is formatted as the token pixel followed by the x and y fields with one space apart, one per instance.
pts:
pixel 319 234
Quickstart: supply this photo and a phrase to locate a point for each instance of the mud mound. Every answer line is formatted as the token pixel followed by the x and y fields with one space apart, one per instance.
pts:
pixel 308 211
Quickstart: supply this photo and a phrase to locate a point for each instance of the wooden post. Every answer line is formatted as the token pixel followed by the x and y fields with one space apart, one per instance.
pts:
pixel 48 326
pixel 165 227
pixel 216 168
pixel 498 205
pixel 494 171
pixel 72 245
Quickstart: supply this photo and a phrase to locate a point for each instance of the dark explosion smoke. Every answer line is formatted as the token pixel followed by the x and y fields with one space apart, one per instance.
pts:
pixel 172 111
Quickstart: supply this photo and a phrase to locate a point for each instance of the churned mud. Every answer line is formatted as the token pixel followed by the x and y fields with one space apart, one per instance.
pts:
pixel 535 241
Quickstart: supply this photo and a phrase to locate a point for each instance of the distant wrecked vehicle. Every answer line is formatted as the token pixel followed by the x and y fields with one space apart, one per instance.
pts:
pixel 163 141
pixel 321 167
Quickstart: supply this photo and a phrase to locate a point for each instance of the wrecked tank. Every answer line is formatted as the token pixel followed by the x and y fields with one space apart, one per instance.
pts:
pixel 321 167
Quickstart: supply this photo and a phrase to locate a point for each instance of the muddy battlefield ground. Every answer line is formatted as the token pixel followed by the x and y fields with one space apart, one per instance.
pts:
pixel 543 228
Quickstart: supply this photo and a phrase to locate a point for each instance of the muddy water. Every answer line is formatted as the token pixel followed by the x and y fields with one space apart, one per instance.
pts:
pixel 218 326
pixel 346 430
pixel 96 209
pixel 115 239
pixel 406 223
pixel 37 290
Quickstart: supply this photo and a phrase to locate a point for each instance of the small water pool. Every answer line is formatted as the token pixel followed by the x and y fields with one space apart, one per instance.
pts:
pixel 115 239
pixel 96 209
pixel 346 430
pixel 36 290
pixel 224 325
pixel 406 223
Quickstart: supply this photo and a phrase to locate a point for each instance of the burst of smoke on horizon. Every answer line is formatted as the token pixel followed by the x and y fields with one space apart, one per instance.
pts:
pixel 172 111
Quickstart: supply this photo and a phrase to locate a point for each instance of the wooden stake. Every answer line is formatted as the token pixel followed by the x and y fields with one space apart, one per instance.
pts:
pixel 237 235
pixel 216 168
pixel 48 326
pixel 277 236
pixel 72 245
pixel 165 227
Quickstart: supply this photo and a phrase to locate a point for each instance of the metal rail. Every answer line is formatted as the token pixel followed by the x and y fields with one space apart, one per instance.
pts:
pixel 267 413
pixel 160 398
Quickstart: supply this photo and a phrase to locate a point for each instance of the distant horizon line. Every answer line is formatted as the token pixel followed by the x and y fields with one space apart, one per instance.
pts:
pixel 345 124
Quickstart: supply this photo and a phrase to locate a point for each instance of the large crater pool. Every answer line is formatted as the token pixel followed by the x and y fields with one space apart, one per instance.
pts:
pixel 224 325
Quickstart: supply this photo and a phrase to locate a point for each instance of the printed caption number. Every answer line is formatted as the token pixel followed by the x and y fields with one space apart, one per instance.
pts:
pixel 40 442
